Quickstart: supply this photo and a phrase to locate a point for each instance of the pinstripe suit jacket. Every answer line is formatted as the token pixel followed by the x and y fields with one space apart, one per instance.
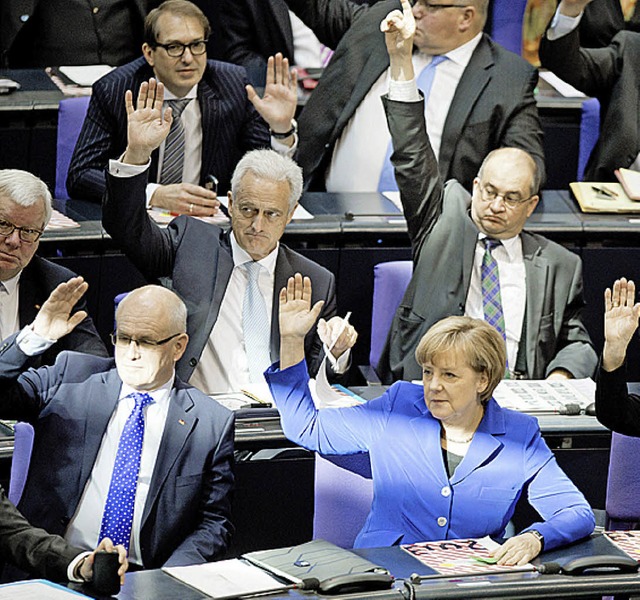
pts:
pixel 493 105
pixel 230 126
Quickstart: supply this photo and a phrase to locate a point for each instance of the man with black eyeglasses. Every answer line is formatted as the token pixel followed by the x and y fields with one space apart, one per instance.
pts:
pixel 123 448
pixel 216 119
pixel 481 95
pixel 26 280
pixel 471 253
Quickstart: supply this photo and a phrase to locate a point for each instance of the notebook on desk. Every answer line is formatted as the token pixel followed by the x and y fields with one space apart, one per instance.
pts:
pixel 603 198
pixel 318 558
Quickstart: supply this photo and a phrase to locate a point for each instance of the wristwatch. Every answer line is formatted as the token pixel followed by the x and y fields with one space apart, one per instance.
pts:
pixel 286 134
pixel 538 536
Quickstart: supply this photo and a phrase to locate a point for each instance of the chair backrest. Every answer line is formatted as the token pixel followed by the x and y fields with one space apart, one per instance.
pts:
pixel 22 445
pixel 71 113
pixel 507 17
pixel 589 133
pixel 623 485
pixel 390 281
pixel 343 494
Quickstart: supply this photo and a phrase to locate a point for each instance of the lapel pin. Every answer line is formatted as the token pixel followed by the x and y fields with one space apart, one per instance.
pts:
pixel 181 421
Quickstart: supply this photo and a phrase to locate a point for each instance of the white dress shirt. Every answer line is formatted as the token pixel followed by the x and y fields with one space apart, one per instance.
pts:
pixel 9 295
pixel 513 290
pixel 84 528
pixel 223 366
pixel 360 150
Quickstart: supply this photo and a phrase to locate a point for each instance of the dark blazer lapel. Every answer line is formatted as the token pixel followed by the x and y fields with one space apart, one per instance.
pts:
pixel 536 271
pixel 284 270
pixel 221 273
pixel 209 99
pixel 28 297
pixel 102 400
pixel 469 241
pixel 474 79
pixel 179 425
pixel 283 22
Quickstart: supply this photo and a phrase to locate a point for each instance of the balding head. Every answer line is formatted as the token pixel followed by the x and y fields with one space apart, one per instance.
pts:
pixel 150 336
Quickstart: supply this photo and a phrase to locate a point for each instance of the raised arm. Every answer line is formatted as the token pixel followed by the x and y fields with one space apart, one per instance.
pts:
pixel 621 314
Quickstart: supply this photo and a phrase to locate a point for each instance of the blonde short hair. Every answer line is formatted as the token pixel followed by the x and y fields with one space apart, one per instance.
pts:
pixel 481 346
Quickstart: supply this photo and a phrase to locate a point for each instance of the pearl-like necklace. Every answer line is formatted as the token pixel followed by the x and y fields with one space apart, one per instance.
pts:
pixel 454 440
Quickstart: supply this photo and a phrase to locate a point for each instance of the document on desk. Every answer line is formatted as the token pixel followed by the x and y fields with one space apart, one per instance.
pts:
pixel 37 589
pixel 226 578
pixel 544 395
pixel 457 557
pixel 627 541
pixel 595 197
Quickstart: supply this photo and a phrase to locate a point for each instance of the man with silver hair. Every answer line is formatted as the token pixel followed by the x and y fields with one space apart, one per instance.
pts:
pixel 229 280
pixel 26 280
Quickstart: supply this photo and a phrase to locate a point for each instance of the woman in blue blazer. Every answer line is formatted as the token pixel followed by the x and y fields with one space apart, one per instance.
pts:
pixel 447 461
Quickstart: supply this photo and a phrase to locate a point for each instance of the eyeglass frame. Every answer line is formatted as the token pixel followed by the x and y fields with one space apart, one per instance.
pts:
pixel 506 201
pixel 141 343
pixel 183 46
pixel 432 8
pixel 20 231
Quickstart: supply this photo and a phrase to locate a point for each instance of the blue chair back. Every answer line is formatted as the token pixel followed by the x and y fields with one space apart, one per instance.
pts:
pixel 22 445
pixel 390 281
pixel 343 493
pixel 71 114
pixel 507 17
pixel 589 133
pixel 623 484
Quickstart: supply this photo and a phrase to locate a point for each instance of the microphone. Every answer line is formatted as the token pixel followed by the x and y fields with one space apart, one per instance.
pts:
pixel 309 583
pixel 350 216
pixel 571 409
pixel 550 568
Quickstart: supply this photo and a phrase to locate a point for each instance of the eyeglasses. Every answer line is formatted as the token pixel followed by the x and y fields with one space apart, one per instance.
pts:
pixel 176 49
pixel 511 199
pixel 119 339
pixel 430 7
pixel 27 234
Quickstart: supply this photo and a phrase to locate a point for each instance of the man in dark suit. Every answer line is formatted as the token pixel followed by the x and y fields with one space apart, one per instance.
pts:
pixel 482 95
pixel 540 282
pixel 219 121
pixel 26 280
pixel 80 409
pixel 602 20
pixel 44 555
pixel 208 266
pixel 609 74
pixel 39 33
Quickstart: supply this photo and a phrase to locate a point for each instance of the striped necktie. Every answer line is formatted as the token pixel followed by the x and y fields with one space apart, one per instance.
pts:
pixel 173 158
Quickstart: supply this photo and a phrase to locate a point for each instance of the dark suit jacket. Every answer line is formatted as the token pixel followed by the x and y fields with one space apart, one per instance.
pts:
pixel 443 239
pixel 39 278
pixel 186 516
pixel 31 549
pixel 16 14
pixel 616 408
pixel 197 257
pixel 602 20
pixel 493 105
pixel 230 126
pixel 610 74
pixel 254 30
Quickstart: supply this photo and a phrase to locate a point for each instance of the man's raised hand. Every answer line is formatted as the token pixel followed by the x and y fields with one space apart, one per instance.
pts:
pixel 54 319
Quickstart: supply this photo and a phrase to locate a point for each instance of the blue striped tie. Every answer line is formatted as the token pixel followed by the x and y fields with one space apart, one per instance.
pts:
pixel 173 158
pixel 387 181
pixel 117 519
pixel 255 324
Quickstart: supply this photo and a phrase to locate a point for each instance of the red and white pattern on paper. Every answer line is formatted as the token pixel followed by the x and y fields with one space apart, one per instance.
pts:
pixel 627 541
pixel 454 557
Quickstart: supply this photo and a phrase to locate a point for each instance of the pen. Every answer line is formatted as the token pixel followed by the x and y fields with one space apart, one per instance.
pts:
pixel 255 398
pixel 604 191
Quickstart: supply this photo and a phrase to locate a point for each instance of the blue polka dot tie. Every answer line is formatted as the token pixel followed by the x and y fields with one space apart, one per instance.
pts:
pixel 117 518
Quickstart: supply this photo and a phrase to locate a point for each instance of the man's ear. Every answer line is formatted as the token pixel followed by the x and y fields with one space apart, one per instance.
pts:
pixel 230 201
pixel 180 346
pixel 147 52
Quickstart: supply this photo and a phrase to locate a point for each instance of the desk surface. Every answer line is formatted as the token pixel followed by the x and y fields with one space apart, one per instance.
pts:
pixel 156 585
